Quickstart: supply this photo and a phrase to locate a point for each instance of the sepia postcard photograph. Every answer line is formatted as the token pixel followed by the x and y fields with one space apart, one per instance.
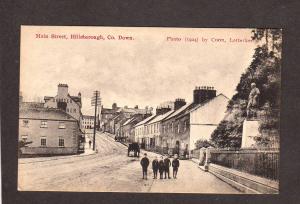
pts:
pixel 149 109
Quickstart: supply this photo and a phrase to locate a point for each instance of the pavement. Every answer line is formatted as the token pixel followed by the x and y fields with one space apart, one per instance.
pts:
pixel 111 170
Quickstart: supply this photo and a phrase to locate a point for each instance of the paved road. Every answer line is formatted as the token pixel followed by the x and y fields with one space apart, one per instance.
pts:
pixel 110 170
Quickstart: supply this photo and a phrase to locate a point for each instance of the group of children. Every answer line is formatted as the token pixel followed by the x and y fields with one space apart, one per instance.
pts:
pixel 162 166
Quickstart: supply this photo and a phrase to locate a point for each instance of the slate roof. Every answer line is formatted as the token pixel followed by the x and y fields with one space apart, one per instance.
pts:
pixel 44 114
pixel 132 110
pixel 107 111
pixel 31 105
pixel 180 110
pixel 76 99
pixel 206 102
pixel 145 120
pixel 128 121
pixel 161 117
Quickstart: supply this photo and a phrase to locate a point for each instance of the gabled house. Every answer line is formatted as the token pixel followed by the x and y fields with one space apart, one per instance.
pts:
pixel 205 117
pixel 64 101
pixel 51 131
pixel 127 129
pixel 176 127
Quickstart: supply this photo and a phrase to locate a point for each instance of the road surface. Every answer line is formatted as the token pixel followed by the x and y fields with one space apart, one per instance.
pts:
pixel 110 170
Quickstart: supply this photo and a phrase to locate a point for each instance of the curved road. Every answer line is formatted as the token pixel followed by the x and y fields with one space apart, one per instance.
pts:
pixel 110 170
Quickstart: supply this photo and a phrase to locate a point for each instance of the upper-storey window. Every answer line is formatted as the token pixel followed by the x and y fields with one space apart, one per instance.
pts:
pixel 25 123
pixel 61 125
pixel 44 124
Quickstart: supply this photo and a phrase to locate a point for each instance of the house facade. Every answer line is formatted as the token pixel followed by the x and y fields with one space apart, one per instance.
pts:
pixel 64 101
pixel 118 116
pixel 140 131
pixel 176 129
pixel 88 121
pixel 50 131
pixel 205 118
pixel 153 129
pixel 127 129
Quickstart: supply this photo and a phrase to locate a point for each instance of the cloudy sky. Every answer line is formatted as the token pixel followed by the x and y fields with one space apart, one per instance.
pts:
pixel 147 70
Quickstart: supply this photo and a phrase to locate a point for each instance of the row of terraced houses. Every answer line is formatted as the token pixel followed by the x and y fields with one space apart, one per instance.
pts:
pixel 175 127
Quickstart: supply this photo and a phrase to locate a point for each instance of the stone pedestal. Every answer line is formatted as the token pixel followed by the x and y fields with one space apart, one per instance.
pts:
pixel 250 130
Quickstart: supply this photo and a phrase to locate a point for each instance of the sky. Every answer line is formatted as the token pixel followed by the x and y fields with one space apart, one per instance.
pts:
pixel 150 67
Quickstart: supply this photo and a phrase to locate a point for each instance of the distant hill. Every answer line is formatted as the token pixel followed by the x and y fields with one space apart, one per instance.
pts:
pixel 264 70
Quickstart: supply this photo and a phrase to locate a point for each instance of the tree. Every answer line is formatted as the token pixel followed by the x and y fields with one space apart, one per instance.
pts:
pixel 202 143
pixel 264 70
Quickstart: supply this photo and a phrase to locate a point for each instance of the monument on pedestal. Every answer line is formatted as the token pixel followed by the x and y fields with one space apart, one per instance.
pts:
pixel 251 124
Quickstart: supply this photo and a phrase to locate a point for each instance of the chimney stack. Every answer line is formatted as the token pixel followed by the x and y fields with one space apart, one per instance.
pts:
pixel 162 110
pixel 179 102
pixel 62 90
pixel 203 93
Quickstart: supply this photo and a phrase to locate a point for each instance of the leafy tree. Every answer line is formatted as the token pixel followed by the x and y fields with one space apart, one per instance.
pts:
pixel 202 143
pixel 264 70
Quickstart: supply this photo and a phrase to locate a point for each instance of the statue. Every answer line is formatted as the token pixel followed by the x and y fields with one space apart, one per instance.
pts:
pixel 253 101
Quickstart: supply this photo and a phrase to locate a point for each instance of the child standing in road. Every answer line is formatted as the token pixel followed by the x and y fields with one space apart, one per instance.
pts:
pixel 155 167
pixel 145 164
pixel 161 167
pixel 167 164
pixel 175 165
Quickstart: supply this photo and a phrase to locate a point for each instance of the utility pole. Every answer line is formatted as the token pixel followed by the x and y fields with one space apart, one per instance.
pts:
pixel 95 102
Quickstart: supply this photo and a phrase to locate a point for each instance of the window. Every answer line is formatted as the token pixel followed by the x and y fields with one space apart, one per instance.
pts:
pixel 185 124
pixel 61 142
pixel 74 110
pixel 43 141
pixel 67 109
pixel 61 125
pixel 44 124
pixel 172 127
pixel 24 138
pixel 25 123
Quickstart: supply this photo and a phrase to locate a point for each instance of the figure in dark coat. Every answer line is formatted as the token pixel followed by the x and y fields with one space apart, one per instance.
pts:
pixel 161 167
pixel 145 164
pixel 167 164
pixel 155 167
pixel 175 165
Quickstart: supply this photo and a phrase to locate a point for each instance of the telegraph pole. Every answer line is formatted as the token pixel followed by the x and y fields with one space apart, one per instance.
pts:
pixel 95 102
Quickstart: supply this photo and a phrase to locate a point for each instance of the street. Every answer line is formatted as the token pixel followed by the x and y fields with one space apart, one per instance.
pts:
pixel 110 170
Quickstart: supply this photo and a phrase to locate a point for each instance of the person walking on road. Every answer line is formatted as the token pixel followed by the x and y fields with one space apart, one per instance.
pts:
pixel 175 165
pixel 167 164
pixel 90 144
pixel 145 164
pixel 155 167
pixel 161 167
